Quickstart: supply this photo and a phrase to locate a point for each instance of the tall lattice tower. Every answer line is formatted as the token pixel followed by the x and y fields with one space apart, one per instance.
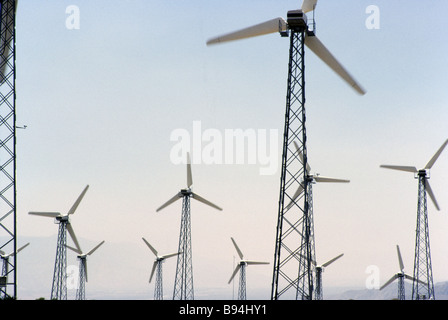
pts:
pixel 59 285
pixel 8 282
pixel 294 243
pixel 423 285
pixel 183 285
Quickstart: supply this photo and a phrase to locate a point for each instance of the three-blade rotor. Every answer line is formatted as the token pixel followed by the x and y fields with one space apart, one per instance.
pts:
pixel 83 256
pixel 311 41
pixel 65 217
pixel 313 179
pixel 399 274
pixel 414 170
pixel 188 192
pixel 242 261
pixel 159 259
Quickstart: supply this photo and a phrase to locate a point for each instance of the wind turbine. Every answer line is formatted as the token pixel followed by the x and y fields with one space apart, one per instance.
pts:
pixel 319 270
pixel 285 275
pixel 158 291
pixel 423 285
pixel 400 276
pixel 241 267
pixel 306 187
pixel 83 278
pixel 183 286
pixel 5 268
pixel 59 287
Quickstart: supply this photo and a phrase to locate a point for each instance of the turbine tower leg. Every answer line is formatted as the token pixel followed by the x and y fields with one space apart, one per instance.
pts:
pixel 292 220
pixel 242 286
pixel 183 285
pixel 81 291
pixel 59 287
pixel 423 286
pixel 158 291
pixel 8 218
pixel 319 293
pixel 401 289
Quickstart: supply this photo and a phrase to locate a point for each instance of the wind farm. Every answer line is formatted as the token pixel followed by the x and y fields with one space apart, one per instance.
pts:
pixel 117 101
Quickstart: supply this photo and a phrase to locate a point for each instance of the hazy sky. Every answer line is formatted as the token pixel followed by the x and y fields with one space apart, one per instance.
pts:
pixel 102 102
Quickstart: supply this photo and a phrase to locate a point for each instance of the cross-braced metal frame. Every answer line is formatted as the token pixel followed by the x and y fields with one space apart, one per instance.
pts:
pixel 8 281
pixel 423 286
pixel 59 286
pixel 81 290
pixel 158 290
pixel 242 284
pixel 183 285
pixel 294 248
pixel 401 289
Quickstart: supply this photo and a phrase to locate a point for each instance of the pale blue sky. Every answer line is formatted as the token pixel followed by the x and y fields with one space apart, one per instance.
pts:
pixel 101 102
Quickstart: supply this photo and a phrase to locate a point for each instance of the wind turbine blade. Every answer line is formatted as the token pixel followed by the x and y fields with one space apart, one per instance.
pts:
pixel 434 157
pixel 295 196
pixel 154 266
pixel 200 199
pixel 74 249
pixel 46 214
pixel 93 250
pixel 150 247
pixel 312 261
pixel 389 281
pixel 76 204
pixel 166 256
pixel 248 262
pixel 271 26
pixel 234 272
pixel 431 195
pixel 413 279
pixel 308 168
pixel 308 5
pixel 401 168
pixel 400 260
pixel 23 247
pixel 73 236
pixel 240 254
pixel 316 46
pixel 12 253
pixel 327 179
pixel 189 175
pixel 332 260
pixel 173 199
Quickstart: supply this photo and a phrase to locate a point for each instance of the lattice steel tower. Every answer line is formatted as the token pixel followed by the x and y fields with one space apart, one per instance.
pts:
pixel 423 285
pixel 183 285
pixel 422 257
pixel 8 281
pixel 294 244
pixel 59 285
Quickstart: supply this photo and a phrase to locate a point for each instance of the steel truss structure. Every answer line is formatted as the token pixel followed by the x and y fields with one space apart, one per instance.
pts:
pixel 183 285
pixel 423 286
pixel 59 286
pixel 294 237
pixel 8 280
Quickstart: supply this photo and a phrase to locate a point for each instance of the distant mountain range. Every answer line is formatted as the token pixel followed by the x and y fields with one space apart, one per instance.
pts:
pixel 388 293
